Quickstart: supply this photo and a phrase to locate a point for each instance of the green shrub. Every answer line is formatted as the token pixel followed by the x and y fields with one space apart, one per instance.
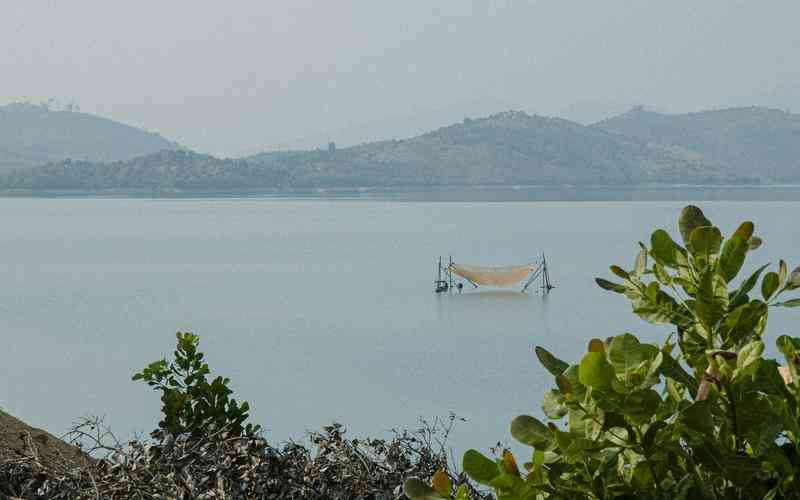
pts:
pixel 190 403
pixel 703 416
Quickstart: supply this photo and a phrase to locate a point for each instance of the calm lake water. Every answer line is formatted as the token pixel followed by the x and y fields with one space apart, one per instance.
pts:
pixel 320 309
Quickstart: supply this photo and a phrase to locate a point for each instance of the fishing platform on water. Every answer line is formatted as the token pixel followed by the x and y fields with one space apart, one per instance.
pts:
pixel 448 276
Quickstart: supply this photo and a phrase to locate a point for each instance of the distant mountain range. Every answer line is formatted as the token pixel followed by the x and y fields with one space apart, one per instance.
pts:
pixel 32 135
pixel 731 146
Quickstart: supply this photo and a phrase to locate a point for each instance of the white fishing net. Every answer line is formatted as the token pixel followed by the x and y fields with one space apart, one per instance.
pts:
pixel 500 276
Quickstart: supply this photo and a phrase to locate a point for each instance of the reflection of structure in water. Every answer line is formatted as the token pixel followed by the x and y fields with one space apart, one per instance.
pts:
pixel 494 276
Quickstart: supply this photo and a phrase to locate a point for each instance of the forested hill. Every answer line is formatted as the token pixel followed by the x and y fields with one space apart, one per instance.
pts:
pixel 746 141
pixel 506 148
pixel 734 146
pixel 32 135
pixel 165 170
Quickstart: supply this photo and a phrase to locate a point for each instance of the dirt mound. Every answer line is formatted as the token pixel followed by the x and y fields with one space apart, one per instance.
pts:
pixel 19 440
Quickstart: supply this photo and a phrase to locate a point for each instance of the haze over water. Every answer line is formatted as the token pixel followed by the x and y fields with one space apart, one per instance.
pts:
pixel 321 309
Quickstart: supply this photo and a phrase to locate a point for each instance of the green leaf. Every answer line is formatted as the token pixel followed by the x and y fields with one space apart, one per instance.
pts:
pixel 553 405
pixel 508 486
pixel 743 322
pixel 642 479
pixel 783 273
pixel 571 377
pixel 769 284
pixel 671 368
pixel 697 416
pixel 595 370
pixel 750 282
pixel 705 452
pixel 653 368
pixel 662 275
pixel 745 230
pixel 640 265
pixel 463 493
pixel 674 389
pixel 664 249
pixel 777 461
pixel 563 383
pixel 748 354
pixel 761 418
pixel 626 353
pixel 415 489
pixel 741 469
pixel 596 345
pixel 641 406
pixel 621 273
pixel 479 468
pixel 712 298
pixel 691 218
pixel 788 303
pixel 788 346
pixel 656 306
pixel 762 376
pixel 538 457
pixel 610 286
pixel 571 445
pixel 753 243
pixel 794 279
pixel 577 423
pixel 706 240
pixel 732 258
pixel 551 363
pixel 529 430
pixel 649 438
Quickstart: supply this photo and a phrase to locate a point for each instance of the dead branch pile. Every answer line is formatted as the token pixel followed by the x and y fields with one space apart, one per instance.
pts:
pixel 332 466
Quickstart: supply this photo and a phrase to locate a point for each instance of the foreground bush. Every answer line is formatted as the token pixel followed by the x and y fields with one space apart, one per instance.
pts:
pixel 703 415
pixel 190 403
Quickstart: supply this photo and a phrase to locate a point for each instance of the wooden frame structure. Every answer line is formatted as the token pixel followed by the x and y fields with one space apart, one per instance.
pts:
pixel 445 280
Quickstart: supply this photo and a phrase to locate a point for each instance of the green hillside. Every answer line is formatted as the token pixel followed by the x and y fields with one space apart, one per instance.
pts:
pixel 759 142
pixel 506 148
pixel 32 135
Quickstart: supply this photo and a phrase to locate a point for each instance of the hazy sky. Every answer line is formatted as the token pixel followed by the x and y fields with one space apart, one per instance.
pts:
pixel 226 76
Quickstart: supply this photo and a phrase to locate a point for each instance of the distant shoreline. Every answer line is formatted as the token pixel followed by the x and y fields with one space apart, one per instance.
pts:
pixel 540 192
